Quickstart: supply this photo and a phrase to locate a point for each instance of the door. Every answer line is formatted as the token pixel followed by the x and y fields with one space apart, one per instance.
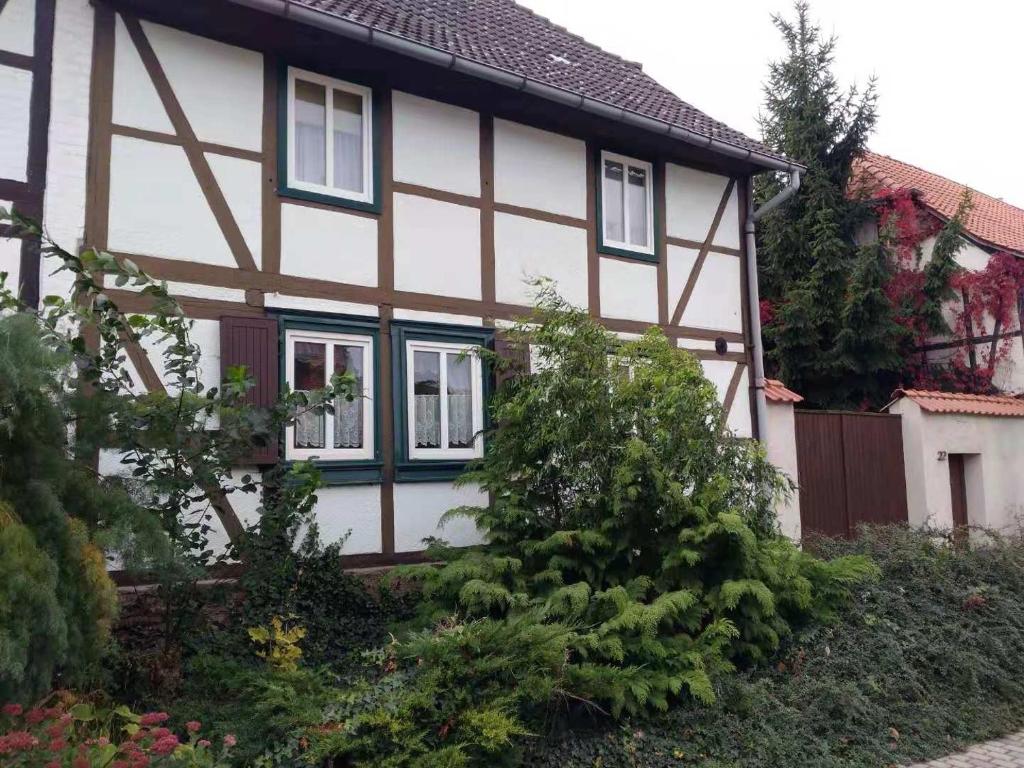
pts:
pixel 958 489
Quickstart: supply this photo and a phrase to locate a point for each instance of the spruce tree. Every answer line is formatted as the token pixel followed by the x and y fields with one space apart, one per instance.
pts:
pixel 807 248
pixel 869 346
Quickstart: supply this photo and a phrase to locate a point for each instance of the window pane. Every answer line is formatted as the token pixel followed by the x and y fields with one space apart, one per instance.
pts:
pixel 348 141
pixel 637 194
pixel 309 374
pixel 310 132
pixel 614 226
pixel 348 415
pixel 426 386
pixel 460 401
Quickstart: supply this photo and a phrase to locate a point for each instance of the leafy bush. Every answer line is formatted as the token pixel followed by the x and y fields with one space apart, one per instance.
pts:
pixel 74 733
pixel 923 662
pixel 630 558
pixel 56 601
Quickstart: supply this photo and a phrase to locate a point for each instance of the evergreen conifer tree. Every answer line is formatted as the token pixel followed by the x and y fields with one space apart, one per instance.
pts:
pixel 806 248
pixel 869 346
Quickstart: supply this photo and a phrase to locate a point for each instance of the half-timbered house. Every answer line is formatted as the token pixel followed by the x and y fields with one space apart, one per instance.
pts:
pixel 368 186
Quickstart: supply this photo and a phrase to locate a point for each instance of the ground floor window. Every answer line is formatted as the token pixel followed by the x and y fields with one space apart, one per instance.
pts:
pixel 444 398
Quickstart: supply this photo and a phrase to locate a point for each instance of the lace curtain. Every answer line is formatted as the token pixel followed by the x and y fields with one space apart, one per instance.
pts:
pixel 460 420
pixel 348 424
pixel 309 430
pixel 428 421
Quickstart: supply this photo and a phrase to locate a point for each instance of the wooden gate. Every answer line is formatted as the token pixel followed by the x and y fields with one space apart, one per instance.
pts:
pixel 851 470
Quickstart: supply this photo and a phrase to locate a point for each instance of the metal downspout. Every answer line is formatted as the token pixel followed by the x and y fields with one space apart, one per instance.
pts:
pixel 754 295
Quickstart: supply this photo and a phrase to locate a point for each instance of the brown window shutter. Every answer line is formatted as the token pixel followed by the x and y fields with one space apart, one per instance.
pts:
pixel 518 356
pixel 253 342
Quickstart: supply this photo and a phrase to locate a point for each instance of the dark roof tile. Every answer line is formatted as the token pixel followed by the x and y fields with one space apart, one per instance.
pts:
pixel 503 34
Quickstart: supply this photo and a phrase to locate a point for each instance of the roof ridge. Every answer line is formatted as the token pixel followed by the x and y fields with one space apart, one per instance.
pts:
pixel 577 36
pixel 973 190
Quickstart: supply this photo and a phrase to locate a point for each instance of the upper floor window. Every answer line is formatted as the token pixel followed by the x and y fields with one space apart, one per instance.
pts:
pixel 627 204
pixel 312 358
pixel 329 134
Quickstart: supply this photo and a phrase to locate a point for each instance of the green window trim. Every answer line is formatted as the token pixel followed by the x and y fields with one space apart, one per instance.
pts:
pixel 425 470
pixel 656 212
pixel 338 471
pixel 283 188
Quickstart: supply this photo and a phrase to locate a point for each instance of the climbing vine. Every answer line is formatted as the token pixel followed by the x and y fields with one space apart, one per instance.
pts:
pixel 938 297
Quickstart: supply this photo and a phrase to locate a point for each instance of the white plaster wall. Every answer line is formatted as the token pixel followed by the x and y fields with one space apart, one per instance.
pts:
pixel 205 333
pixel 691 199
pixel 629 290
pixel 239 182
pixel 328 306
pixel 436 317
pixel 17 26
pixel 135 100
pixel 526 248
pixel 716 301
pixel 739 419
pixel 157 207
pixel 780 445
pixel 352 510
pixel 10 262
pixel 539 169
pixel 435 144
pixel 64 206
pixel 437 247
pixel 328 245
pixel 418 510
pixel 199 291
pixel 719 373
pixel 680 263
pixel 995 482
pixel 219 86
pixel 15 97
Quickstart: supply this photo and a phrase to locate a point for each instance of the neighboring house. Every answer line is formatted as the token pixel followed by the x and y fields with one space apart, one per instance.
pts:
pixel 990 227
pixel 365 186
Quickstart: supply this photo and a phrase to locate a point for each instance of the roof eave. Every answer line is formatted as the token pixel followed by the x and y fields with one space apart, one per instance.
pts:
pixel 366 34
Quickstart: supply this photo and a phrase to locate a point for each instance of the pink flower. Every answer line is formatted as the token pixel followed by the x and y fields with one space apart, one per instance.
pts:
pixel 204 743
pixel 165 745
pixel 160 733
pixel 80 762
pixel 35 716
pixel 153 718
pixel 53 764
pixel 230 740
pixel 140 762
pixel 119 764
pixel 16 741
pixel 57 745
pixel 193 725
pixel 13 710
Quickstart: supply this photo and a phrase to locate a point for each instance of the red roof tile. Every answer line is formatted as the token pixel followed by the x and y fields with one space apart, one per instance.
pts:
pixel 503 34
pixel 953 402
pixel 776 391
pixel 991 221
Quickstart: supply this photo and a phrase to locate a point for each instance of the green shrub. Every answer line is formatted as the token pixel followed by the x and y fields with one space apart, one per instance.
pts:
pixel 630 560
pixel 922 663
pixel 56 600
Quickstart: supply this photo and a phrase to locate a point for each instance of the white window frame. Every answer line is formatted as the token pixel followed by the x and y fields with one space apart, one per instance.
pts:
pixel 477 389
pixel 330 84
pixel 328 452
pixel 627 162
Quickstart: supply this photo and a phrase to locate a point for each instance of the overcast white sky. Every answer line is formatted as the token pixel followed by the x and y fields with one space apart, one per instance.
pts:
pixel 950 73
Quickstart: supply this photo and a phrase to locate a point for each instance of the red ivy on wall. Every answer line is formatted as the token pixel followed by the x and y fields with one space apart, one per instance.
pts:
pixel 988 305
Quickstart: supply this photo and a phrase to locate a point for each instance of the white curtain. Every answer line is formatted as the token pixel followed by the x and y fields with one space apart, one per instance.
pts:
pixel 427 409
pixel 460 420
pixel 348 161
pixel 309 430
pixel 614 226
pixel 348 423
pixel 637 194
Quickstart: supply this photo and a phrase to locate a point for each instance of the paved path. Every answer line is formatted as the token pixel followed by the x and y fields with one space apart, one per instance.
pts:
pixel 1007 752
